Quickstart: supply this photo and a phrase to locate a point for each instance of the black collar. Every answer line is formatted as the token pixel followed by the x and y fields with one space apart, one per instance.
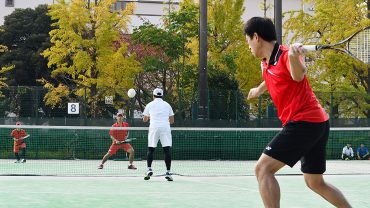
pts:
pixel 275 55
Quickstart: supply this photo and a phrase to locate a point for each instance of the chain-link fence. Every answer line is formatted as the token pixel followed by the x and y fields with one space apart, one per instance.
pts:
pixel 225 109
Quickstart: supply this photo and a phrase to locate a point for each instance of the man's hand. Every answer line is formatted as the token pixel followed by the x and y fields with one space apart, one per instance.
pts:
pixel 296 49
pixel 253 93
pixel 257 91
pixel 297 67
pixel 146 118
pixel 118 142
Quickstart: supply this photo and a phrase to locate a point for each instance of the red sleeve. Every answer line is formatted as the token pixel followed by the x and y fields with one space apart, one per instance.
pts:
pixel 125 132
pixel 286 60
pixel 12 134
pixel 111 132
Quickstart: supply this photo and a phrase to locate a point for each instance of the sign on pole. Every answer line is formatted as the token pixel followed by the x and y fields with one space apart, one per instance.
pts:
pixel 109 100
pixel 73 108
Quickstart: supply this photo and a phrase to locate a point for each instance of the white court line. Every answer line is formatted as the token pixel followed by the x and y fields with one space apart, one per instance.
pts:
pixel 228 186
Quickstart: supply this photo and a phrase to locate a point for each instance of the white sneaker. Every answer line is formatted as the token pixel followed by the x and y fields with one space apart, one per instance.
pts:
pixel 169 176
pixel 23 161
pixel 148 174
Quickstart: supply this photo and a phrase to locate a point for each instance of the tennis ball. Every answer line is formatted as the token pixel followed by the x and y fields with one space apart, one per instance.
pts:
pixel 131 93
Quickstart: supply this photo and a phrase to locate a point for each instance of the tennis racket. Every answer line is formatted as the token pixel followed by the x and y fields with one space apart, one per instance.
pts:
pixel 23 138
pixel 356 45
pixel 129 140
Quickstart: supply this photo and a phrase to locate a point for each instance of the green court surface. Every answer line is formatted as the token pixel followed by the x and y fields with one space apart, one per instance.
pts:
pixel 128 189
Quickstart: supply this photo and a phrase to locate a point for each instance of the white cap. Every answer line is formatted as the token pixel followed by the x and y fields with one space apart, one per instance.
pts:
pixel 158 92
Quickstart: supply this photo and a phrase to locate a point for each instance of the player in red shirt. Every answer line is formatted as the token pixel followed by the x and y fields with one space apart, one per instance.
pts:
pixel 118 137
pixel 19 135
pixel 305 123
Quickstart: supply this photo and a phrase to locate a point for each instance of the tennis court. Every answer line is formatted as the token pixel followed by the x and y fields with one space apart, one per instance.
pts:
pixel 212 168
pixel 128 189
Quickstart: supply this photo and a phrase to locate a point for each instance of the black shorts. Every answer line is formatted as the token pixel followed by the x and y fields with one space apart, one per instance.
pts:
pixel 300 140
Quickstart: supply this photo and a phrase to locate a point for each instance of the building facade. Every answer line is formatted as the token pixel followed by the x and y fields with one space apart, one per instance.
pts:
pixel 8 6
pixel 153 10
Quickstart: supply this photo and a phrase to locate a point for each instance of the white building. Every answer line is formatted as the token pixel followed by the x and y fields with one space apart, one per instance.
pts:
pixel 153 10
pixel 8 6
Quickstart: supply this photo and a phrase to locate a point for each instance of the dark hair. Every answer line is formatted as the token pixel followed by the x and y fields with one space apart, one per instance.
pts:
pixel 264 28
pixel 157 96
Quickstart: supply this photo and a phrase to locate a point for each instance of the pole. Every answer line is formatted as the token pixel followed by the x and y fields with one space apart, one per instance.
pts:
pixel 132 110
pixel 278 20
pixel 203 76
pixel 368 68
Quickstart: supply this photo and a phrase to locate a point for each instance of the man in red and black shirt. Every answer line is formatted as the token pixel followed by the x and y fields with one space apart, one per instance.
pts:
pixel 305 123
pixel 19 135
pixel 118 137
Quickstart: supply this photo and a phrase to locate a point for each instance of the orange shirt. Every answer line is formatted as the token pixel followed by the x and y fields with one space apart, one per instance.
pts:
pixel 119 134
pixel 18 134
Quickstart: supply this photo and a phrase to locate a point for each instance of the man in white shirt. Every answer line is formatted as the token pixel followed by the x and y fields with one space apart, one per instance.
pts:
pixel 347 152
pixel 161 115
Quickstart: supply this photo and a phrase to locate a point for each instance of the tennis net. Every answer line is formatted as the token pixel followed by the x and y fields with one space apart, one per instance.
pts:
pixel 77 151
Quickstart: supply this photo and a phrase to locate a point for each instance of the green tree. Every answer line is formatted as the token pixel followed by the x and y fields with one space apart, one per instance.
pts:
pixel 228 54
pixel 167 65
pixel 176 60
pixel 331 71
pixel 3 70
pixel 85 61
pixel 25 34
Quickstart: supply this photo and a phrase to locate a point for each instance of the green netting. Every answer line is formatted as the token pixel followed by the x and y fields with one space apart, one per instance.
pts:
pixel 78 150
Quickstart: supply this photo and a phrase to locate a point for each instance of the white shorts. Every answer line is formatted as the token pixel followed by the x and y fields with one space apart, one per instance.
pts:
pixel 160 133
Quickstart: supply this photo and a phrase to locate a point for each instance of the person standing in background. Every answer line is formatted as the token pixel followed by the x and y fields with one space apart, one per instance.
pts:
pixel 118 137
pixel 19 136
pixel 161 115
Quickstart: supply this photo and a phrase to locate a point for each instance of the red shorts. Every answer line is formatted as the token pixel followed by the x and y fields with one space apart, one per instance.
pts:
pixel 17 146
pixel 113 148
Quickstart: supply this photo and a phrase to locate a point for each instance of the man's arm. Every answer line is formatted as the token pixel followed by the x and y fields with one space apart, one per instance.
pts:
pixel 22 138
pixel 257 91
pixel 25 136
pixel 343 152
pixel 367 153
pixel 12 135
pixel 171 119
pixel 114 140
pixel 146 113
pixel 297 68
pixel 146 118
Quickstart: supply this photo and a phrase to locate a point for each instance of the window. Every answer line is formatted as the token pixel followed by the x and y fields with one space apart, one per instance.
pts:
pixel 119 5
pixel 9 3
